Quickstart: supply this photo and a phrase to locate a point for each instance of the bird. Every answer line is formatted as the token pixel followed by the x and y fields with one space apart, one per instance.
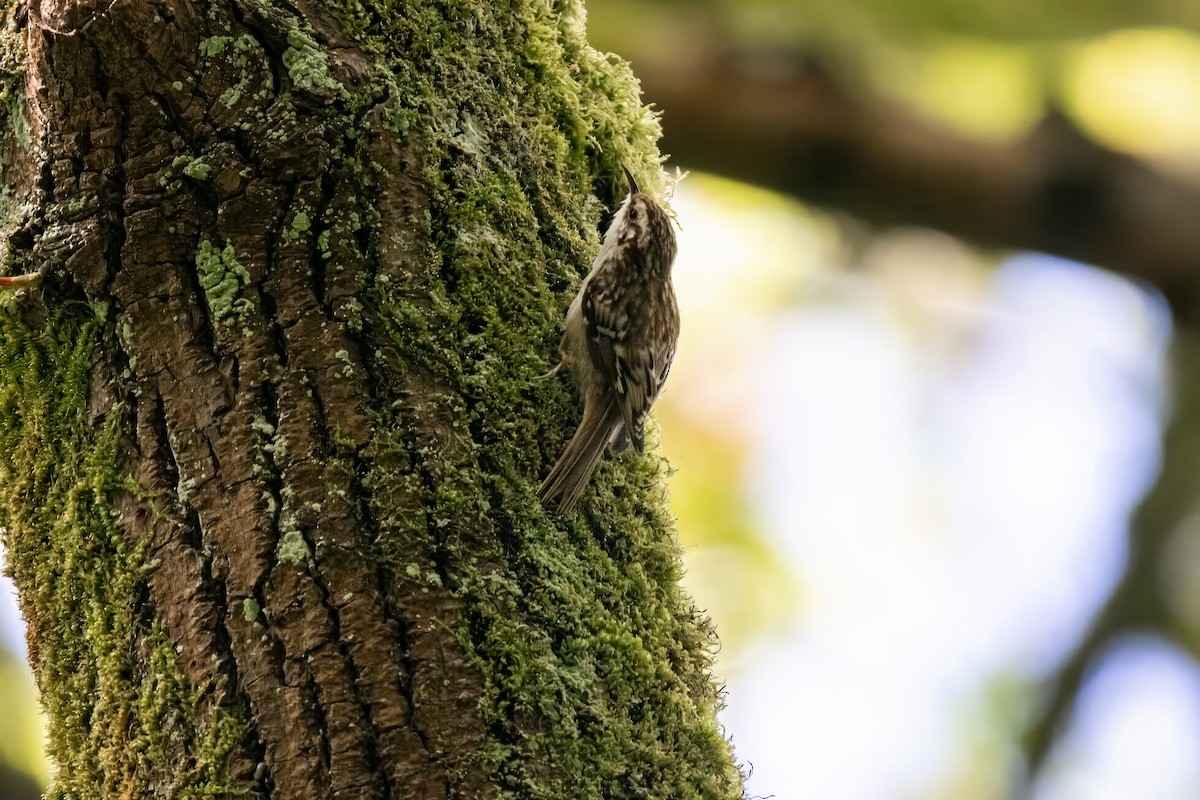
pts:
pixel 619 339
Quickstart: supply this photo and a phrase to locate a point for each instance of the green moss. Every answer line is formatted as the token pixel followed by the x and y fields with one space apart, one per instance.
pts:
pixel 595 662
pixel 122 721
pixel 18 124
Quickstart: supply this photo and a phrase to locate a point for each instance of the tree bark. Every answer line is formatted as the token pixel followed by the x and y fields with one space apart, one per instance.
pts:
pixel 271 422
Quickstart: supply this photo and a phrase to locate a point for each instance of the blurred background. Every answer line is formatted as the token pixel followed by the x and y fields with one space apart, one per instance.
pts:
pixel 906 465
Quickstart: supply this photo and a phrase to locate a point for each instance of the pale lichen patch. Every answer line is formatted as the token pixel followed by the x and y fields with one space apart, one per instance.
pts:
pixel 293 549
pixel 250 609
pixel 307 63
pixel 222 278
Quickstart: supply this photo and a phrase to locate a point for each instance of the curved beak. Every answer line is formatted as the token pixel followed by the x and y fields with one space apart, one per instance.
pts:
pixel 633 187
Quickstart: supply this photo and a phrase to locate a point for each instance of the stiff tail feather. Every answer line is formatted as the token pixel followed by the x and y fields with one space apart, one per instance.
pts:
pixel 582 454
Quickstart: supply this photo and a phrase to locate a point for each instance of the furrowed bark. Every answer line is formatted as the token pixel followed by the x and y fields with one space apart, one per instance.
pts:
pixel 273 427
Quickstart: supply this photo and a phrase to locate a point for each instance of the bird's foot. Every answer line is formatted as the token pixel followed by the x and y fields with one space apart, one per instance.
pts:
pixel 563 362
pixel 20 281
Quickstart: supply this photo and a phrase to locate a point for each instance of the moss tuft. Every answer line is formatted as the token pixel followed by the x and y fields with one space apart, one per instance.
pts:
pixel 120 715
pixel 595 663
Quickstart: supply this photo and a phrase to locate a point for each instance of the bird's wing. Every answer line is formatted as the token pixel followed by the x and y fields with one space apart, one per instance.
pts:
pixel 626 350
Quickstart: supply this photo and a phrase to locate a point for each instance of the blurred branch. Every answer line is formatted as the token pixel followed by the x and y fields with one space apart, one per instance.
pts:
pixel 1137 603
pixel 15 785
pixel 785 123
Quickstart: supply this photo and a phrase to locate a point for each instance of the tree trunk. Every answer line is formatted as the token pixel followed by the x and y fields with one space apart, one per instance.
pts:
pixel 271 423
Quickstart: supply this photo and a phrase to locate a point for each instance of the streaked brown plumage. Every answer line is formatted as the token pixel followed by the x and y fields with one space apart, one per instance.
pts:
pixel 619 340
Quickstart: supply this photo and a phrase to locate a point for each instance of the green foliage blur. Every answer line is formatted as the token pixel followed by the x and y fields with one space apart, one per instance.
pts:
pixel 905 22
pixel 1127 73
pixel 21 740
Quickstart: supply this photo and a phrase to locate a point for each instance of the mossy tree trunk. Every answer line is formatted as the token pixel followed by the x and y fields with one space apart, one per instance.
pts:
pixel 270 423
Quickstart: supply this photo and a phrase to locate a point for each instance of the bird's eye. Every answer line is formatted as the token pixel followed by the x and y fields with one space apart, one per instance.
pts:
pixel 633 213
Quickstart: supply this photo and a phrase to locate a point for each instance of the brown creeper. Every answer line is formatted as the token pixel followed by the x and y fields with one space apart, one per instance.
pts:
pixel 619 339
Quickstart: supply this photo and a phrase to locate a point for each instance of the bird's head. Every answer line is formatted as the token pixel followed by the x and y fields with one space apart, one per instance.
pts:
pixel 642 230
